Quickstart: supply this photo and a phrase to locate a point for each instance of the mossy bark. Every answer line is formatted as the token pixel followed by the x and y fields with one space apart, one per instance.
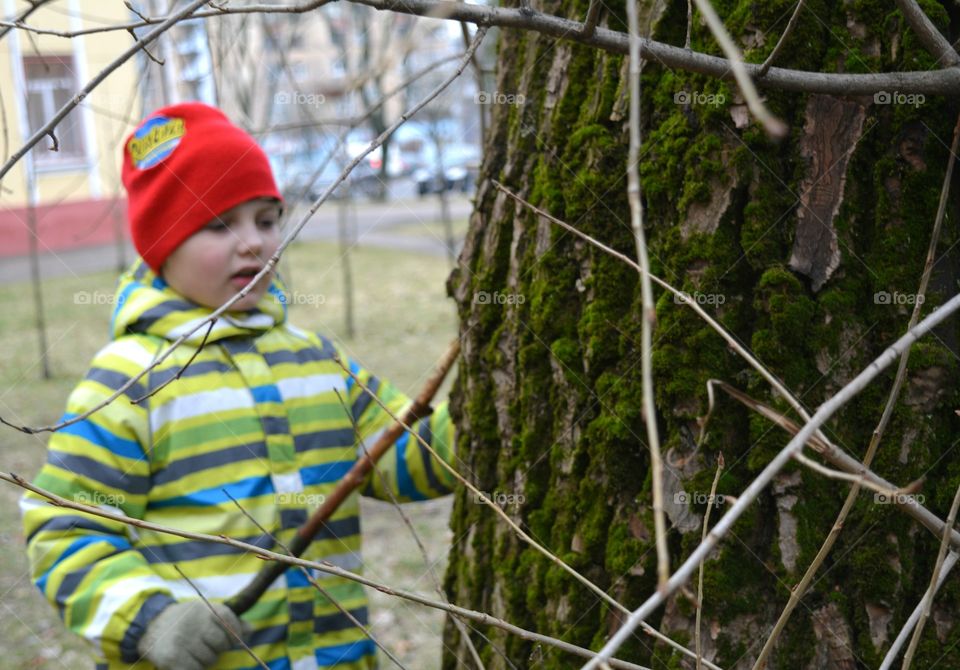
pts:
pixel 788 244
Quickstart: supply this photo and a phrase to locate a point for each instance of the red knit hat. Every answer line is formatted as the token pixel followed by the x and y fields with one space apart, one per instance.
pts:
pixel 182 166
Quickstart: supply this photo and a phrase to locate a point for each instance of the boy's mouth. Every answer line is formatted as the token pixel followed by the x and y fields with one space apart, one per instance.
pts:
pixel 243 277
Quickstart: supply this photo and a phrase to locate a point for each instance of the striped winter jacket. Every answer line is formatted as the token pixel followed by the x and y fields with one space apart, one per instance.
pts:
pixel 255 416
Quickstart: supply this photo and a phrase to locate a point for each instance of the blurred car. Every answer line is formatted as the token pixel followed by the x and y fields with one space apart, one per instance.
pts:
pixel 299 179
pixel 461 165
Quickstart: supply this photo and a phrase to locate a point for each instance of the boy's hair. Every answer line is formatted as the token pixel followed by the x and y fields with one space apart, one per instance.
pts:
pixel 184 165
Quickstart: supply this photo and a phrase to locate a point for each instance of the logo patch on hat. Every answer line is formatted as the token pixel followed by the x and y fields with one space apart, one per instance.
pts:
pixel 155 140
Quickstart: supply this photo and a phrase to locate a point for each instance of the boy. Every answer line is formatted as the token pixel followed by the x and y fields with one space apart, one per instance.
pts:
pixel 255 415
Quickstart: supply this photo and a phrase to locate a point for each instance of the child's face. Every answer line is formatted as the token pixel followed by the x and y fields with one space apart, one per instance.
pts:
pixel 220 259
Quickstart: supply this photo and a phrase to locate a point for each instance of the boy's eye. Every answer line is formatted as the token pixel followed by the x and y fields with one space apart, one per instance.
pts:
pixel 267 224
pixel 217 226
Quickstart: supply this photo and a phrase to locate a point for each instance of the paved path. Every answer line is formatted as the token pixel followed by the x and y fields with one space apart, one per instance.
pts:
pixel 377 224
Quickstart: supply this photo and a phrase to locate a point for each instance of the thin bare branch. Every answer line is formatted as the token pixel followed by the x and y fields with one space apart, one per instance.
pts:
pixel 774 126
pixel 314 583
pixel 155 59
pixel 322 566
pixel 934 579
pixel 937 82
pixel 801 588
pixel 931 38
pixel 856 480
pixel 649 316
pixel 180 372
pixel 593 17
pixel 484 112
pixel 150 21
pixel 16 23
pixel 915 616
pixel 826 410
pixel 236 634
pixel 478 495
pixel 791 24
pixel 437 586
pixel 703 537
pixel 47 129
pixel 815 443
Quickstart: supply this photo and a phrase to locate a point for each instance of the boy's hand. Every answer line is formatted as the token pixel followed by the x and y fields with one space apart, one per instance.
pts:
pixel 188 636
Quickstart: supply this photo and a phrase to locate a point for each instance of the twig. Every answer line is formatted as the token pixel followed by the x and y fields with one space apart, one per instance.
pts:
pixel 915 616
pixel 149 21
pixel 348 484
pixel 8 25
pixel 322 566
pixel 835 455
pixel 856 480
pixel 236 634
pixel 526 538
pixel 826 410
pixel 180 372
pixel 478 75
pixel 649 316
pixel 47 129
pixel 801 588
pixel 129 5
pixel 815 443
pixel 358 438
pixel 158 61
pixel 934 579
pixel 931 38
pixel 703 537
pixel 936 82
pixel 593 17
pixel 734 344
pixel 774 126
pixel 791 24
pixel 314 583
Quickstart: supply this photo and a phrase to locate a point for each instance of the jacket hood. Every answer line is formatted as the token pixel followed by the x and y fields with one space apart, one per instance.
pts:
pixel 146 304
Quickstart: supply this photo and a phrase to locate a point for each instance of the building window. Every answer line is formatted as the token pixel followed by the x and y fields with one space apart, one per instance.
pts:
pixel 51 83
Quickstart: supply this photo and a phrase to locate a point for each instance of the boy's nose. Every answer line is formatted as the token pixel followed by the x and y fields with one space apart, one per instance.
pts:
pixel 251 239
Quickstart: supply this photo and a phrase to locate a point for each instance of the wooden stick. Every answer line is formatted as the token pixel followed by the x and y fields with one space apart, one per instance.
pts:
pixel 244 600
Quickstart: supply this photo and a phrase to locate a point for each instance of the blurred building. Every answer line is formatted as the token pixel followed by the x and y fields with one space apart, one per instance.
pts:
pixel 70 197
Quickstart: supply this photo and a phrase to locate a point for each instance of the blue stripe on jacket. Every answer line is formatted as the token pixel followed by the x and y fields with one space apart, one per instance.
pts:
pixel 80 543
pixel 404 480
pixel 251 487
pixel 325 472
pixel 99 435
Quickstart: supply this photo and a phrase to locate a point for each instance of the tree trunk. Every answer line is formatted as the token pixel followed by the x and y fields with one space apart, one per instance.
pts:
pixel 808 250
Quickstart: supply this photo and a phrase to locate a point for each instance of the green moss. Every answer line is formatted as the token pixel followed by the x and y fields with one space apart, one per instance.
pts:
pixel 577 441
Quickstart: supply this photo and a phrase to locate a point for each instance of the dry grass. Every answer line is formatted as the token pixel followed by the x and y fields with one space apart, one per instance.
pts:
pixel 403 320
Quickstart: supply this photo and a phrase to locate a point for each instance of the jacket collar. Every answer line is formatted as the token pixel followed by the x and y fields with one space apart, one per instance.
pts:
pixel 146 304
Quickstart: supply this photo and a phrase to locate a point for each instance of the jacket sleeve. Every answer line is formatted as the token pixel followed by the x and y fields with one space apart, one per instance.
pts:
pixel 85 565
pixel 409 470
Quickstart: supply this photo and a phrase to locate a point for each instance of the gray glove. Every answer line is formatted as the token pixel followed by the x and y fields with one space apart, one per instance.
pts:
pixel 187 636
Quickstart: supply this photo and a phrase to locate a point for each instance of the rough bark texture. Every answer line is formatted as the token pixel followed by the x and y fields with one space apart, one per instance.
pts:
pixel 788 244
